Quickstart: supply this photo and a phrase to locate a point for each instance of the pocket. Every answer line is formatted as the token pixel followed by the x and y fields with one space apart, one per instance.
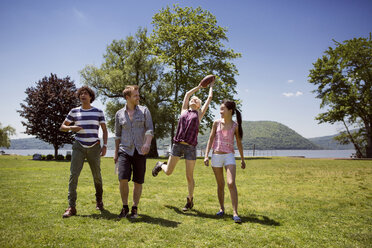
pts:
pixel 139 121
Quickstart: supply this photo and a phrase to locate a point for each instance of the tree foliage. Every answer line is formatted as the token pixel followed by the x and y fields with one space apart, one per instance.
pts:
pixel 5 132
pixel 129 62
pixel 46 107
pixel 190 45
pixel 344 79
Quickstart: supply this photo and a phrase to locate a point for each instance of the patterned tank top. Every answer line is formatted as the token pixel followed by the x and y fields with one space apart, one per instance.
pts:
pixel 224 139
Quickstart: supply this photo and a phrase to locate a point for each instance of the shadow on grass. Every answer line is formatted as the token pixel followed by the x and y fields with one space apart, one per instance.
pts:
pixel 158 221
pixel 107 215
pixel 253 218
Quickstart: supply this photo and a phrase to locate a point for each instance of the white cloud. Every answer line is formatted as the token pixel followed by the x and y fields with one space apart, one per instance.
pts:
pixel 291 94
pixel 290 81
pixel 299 93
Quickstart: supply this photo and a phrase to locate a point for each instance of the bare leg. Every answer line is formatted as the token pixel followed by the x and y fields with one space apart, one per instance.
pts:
pixel 190 165
pixel 169 167
pixel 124 191
pixel 137 191
pixel 218 173
pixel 230 177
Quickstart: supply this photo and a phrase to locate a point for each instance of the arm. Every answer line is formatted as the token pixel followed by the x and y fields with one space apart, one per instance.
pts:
pixel 104 147
pixel 206 104
pixel 188 94
pixel 210 142
pixel 117 143
pixel 65 127
pixel 117 137
pixel 240 147
pixel 149 132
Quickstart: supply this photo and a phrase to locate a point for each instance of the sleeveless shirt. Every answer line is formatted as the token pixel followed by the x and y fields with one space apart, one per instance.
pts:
pixel 188 128
pixel 224 139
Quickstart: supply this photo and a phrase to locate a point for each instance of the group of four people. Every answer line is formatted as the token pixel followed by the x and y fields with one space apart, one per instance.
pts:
pixel 133 135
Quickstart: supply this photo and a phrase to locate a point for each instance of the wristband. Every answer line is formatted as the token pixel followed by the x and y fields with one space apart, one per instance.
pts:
pixel 105 145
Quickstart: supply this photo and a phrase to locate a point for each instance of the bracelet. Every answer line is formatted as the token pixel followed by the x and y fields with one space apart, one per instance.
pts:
pixel 105 145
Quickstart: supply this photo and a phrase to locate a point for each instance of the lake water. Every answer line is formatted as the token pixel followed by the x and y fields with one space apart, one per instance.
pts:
pixel 248 153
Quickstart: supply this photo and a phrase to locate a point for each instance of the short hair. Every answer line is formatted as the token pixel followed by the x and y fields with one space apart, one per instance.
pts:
pixel 129 89
pixel 90 92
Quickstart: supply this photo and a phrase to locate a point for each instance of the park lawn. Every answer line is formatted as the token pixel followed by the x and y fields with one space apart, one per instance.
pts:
pixel 283 202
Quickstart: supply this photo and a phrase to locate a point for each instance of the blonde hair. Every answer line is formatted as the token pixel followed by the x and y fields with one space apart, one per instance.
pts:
pixel 197 99
pixel 129 89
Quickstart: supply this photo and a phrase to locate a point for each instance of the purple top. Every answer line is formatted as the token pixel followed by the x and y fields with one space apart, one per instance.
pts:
pixel 188 128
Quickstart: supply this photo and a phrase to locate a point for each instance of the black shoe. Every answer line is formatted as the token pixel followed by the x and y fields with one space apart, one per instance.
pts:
pixel 157 169
pixel 134 213
pixel 189 204
pixel 124 212
pixel 99 206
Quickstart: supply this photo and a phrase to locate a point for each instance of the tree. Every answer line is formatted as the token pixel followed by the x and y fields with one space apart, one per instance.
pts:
pixel 344 79
pixel 189 43
pixel 46 107
pixel 129 62
pixel 5 132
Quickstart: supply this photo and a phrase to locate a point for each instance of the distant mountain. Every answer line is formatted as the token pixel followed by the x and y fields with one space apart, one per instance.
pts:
pixel 329 143
pixel 264 135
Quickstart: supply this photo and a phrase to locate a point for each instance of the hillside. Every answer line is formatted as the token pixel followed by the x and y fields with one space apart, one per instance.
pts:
pixel 265 135
pixel 329 143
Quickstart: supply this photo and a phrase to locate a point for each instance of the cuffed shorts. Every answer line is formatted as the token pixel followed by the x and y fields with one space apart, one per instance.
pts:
pixel 129 164
pixel 221 160
pixel 188 151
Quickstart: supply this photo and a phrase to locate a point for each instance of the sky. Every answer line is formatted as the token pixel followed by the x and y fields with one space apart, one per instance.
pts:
pixel 279 41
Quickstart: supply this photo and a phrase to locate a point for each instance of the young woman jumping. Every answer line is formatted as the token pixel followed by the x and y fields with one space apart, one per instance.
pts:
pixel 221 140
pixel 185 140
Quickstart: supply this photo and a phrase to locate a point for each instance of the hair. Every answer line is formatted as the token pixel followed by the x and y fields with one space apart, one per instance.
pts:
pixel 230 105
pixel 90 92
pixel 197 98
pixel 129 89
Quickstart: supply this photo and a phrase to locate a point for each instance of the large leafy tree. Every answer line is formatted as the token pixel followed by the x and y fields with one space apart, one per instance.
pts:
pixel 46 107
pixel 5 132
pixel 129 62
pixel 344 79
pixel 190 44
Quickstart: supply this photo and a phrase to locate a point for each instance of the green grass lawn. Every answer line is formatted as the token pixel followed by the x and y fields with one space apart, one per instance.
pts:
pixel 283 202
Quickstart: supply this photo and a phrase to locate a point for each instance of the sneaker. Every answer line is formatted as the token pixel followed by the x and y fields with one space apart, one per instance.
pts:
pixel 237 219
pixel 189 204
pixel 69 212
pixel 157 169
pixel 124 212
pixel 220 213
pixel 99 206
pixel 134 213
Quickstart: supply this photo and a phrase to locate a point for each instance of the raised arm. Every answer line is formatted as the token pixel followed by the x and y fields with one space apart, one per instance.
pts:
pixel 203 110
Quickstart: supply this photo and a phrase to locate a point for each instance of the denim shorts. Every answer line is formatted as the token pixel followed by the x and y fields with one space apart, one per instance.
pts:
pixel 188 151
pixel 221 160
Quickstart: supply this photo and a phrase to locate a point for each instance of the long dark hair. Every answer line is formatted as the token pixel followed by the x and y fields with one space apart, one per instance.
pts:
pixel 230 105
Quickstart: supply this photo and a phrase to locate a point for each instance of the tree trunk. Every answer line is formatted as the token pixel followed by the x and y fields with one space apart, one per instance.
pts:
pixel 55 152
pixel 369 145
pixel 153 149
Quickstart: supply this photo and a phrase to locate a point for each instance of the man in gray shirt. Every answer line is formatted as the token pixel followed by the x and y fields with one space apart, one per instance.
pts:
pixel 134 132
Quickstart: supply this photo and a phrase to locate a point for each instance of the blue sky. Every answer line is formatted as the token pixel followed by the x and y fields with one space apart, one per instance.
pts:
pixel 278 40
